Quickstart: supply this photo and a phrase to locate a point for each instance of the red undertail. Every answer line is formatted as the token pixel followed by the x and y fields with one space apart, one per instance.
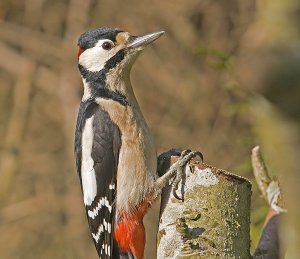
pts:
pixel 130 232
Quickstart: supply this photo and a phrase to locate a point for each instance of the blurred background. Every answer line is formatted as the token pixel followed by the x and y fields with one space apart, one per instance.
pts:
pixel 225 77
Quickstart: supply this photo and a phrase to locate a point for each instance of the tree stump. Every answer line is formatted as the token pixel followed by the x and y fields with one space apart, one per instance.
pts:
pixel 212 222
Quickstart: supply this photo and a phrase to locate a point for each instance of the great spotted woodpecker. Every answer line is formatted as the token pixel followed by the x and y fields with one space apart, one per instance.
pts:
pixel 114 149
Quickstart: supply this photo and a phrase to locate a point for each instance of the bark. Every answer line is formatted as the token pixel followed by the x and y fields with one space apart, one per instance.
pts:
pixel 212 222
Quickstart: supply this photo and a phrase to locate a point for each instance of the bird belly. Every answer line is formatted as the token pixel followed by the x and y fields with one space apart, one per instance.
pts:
pixel 137 163
pixel 136 172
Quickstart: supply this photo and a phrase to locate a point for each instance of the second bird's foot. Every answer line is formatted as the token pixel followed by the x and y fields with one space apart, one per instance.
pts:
pixel 180 165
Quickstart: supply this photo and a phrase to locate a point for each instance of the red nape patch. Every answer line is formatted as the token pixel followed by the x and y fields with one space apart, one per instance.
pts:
pixel 130 232
pixel 80 50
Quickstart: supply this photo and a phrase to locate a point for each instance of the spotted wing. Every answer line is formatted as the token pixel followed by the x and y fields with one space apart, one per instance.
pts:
pixel 100 145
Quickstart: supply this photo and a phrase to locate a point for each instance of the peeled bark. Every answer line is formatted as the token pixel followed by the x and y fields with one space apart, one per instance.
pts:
pixel 212 222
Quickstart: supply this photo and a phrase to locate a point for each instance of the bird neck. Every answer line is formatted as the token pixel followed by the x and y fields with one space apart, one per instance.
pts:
pixel 120 82
pixel 103 84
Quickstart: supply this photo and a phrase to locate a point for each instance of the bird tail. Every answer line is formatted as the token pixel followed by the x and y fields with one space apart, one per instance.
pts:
pixel 117 254
pixel 126 256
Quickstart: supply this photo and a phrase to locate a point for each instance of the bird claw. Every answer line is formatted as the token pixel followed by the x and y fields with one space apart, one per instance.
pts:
pixel 180 176
pixel 184 159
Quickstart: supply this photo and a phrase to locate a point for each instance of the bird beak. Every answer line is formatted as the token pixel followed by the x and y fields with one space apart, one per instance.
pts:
pixel 143 40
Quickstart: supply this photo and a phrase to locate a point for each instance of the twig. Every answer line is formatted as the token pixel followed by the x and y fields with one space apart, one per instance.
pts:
pixel 269 246
pixel 269 188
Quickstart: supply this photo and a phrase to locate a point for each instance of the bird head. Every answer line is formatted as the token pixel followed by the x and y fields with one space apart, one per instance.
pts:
pixel 111 49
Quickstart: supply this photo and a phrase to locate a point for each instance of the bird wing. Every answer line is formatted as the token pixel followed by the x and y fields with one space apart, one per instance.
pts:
pixel 97 166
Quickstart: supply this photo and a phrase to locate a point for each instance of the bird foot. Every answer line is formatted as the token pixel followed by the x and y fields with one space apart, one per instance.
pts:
pixel 180 166
pixel 175 171
pixel 164 160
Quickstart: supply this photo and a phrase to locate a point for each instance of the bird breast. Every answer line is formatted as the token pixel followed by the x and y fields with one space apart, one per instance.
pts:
pixel 137 163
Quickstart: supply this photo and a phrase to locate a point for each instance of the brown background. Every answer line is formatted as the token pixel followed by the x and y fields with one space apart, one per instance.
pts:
pixel 196 87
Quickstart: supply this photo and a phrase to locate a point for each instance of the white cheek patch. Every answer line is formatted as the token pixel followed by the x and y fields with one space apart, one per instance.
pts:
pixel 88 175
pixel 95 58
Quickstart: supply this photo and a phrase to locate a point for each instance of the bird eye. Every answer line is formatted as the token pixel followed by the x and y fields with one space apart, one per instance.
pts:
pixel 107 45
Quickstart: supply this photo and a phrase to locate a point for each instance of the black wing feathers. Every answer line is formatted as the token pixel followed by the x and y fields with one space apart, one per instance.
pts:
pixel 105 154
pixel 106 146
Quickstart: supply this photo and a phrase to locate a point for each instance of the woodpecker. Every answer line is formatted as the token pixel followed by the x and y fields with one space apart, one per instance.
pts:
pixel 115 152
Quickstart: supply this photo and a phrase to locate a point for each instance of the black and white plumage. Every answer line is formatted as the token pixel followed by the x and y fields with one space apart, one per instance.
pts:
pixel 114 149
pixel 97 152
pixel 98 138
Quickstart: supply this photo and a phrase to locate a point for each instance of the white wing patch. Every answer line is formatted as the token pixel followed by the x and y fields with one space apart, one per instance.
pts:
pixel 88 176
